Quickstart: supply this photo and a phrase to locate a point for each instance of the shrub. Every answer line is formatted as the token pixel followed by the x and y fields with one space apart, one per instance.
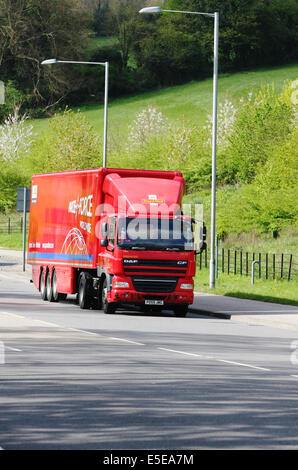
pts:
pixel 72 143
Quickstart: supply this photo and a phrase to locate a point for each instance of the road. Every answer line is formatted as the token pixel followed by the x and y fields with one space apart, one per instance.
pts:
pixel 73 379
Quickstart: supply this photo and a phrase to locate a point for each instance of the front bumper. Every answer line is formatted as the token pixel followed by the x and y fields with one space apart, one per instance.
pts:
pixel 130 295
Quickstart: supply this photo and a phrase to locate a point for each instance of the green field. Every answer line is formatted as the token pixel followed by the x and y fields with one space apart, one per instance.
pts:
pixel 191 102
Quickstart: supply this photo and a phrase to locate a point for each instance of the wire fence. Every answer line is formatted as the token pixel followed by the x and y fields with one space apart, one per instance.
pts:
pixel 268 266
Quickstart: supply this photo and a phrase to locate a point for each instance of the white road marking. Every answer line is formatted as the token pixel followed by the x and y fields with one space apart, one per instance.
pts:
pixel 15 277
pixel 181 352
pixel 12 314
pixel 55 325
pixel 12 349
pixel 210 357
pixel 296 376
pixel 243 365
pixel 126 341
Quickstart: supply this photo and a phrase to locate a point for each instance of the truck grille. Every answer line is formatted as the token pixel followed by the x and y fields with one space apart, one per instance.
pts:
pixel 171 263
pixel 158 266
pixel 154 284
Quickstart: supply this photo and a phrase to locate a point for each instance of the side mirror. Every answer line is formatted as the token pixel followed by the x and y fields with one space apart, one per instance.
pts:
pixel 104 229
pixel 202 248
pixel 104 242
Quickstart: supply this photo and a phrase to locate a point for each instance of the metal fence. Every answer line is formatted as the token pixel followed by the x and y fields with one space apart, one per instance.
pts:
pixel 10 225
pixel 269 266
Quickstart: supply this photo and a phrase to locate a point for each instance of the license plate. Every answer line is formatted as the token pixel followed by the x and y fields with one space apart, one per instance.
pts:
pixel 153 302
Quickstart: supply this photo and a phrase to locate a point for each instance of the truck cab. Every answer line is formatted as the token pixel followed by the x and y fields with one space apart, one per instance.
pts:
pixel 146 255
pixel 147 261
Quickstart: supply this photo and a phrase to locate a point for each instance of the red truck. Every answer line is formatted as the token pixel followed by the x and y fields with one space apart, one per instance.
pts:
pixel 113 237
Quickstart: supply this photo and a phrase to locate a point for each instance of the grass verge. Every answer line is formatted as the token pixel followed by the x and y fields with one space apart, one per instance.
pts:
pixel 12 241
pixel 278 290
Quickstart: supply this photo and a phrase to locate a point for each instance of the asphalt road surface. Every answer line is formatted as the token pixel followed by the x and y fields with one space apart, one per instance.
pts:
pixel 73 379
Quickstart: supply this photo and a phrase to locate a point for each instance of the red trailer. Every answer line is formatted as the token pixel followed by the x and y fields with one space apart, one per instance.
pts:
pixel 112 236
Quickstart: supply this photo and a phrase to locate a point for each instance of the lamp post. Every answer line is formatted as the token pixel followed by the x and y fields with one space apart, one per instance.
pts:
pixel 106 66
pixel 215 15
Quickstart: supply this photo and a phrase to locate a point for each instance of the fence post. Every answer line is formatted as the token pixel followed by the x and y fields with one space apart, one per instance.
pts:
pixel 241 263
pixel 235 262
pixel 246 262
pixel 273 267
pixel 282 265
pixel 229 261
pixel 260 264
pixel 266 266
pixel 216 256
pixel 8 225
pixel 290 267
pixel 223 259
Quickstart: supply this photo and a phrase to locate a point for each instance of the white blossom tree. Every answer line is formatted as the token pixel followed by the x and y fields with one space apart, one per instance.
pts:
pixel 15 137
pixel 148 123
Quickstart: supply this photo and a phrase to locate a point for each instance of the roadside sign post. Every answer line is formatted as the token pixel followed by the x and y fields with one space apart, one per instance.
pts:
pixel 23 205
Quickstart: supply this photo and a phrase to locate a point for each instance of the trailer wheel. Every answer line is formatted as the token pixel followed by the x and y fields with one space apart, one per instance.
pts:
pixel 108 307
pixel 42 288
pixel 181 310
pixel 85 297
pixel 56 295
pixel 49 289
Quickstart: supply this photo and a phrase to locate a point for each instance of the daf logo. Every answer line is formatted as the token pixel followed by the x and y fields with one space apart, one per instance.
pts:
pixel 130 261
pixel 182 263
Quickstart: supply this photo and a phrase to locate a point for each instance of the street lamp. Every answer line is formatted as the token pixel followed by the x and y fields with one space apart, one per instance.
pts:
pixel 215 15
pixel 106 65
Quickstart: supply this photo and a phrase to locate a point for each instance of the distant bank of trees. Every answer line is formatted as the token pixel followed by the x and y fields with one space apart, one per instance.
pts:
pixel 149 51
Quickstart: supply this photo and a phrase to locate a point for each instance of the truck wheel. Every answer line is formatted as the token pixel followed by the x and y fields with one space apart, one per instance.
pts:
pixel 56 295
pixel 85 298
pixel 49 288
pixel 180 310
pixel 43 292
pixel 108 307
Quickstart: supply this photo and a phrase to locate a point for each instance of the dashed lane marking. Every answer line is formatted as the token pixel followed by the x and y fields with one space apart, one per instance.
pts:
pixel 215 359
pixel 126 341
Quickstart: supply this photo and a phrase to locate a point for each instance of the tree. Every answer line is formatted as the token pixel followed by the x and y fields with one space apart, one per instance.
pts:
pixel 126 18
pixel 15 137
pixel 33 30
pixel 71 144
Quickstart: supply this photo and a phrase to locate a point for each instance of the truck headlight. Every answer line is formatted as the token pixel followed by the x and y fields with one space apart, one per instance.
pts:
pixel 120 284
pixel 186 286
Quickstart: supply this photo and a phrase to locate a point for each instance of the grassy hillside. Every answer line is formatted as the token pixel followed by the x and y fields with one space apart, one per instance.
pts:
pixel 191 102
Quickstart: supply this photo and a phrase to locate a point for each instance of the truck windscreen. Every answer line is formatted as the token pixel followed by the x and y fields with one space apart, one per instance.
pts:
pixel 140 233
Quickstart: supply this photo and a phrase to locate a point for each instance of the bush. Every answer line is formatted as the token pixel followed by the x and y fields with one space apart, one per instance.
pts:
pixel 260 124
pixel 71 144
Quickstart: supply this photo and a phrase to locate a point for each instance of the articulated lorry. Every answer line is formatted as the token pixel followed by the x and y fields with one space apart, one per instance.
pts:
pixel 113 237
